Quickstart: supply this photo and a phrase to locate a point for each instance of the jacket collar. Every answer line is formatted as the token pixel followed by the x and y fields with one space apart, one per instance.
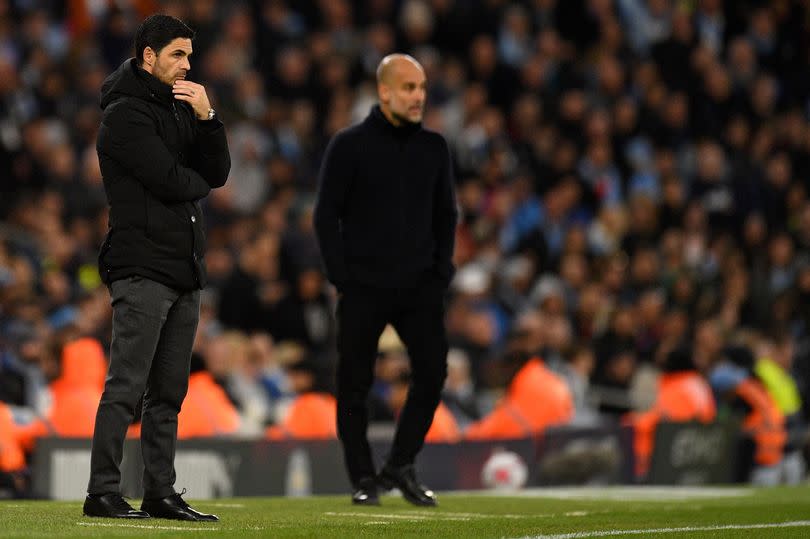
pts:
pixel 378 119
pixel 154 86
pixel 129 80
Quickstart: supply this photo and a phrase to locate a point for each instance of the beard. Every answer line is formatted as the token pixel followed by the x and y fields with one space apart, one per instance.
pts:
pixel 163 77
pixel 166 76
pixel 404 120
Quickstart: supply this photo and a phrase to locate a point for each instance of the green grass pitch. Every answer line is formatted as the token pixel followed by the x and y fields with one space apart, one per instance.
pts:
pixel 543 513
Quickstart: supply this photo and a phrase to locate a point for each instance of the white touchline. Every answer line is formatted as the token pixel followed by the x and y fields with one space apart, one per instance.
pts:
pixel 609 533
pixel 145 527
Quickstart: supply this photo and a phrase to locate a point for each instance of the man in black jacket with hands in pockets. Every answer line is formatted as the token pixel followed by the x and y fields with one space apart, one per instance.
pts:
pixel 161 149
pixel 385 220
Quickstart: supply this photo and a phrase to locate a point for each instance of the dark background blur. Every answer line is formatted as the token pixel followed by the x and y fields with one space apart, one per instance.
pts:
pixel 627 171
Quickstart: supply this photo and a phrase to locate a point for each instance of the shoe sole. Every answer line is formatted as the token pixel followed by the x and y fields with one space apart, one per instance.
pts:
pixel 366 502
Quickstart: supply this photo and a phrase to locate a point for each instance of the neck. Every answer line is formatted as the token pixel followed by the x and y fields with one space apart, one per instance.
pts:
pixel 396 122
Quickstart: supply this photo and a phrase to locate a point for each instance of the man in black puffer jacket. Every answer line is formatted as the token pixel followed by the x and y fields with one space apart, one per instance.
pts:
pixel 161 149
pixel 385 220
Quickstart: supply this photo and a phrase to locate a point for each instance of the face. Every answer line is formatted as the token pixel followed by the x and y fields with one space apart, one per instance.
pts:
pixel 171 62
pixel 403 94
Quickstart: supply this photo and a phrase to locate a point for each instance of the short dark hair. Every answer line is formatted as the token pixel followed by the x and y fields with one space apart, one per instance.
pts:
pixel 157 31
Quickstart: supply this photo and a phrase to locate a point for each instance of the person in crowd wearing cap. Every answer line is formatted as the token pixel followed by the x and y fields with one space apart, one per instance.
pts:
pixel 161 150
pixel 385 220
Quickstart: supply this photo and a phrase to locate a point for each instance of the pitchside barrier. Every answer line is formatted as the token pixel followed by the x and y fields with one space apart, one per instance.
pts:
pixel 215 468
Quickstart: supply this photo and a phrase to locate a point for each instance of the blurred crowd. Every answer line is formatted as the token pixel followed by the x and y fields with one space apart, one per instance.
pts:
pixel 631 175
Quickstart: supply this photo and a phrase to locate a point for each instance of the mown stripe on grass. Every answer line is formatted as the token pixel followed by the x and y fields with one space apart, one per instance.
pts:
pixel 472 515
pixel 620 493
pixel 684 529
pixel 146 527
pixel 412 518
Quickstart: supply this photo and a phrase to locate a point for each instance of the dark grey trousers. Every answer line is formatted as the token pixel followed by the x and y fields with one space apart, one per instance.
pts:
pixel 152 335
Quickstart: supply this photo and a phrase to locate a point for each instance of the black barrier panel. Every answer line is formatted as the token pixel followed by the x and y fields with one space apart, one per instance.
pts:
pixel 213 468
pixel 693 453
pixel 585 455
pixel 685 453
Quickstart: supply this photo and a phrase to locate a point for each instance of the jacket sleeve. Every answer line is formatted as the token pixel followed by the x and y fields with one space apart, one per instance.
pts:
pixel 333 184
pixel 445 216
pixel 211 159
pixel 128 136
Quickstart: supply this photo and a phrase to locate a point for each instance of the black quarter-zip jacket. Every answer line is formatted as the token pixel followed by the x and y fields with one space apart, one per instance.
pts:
pixel 385 215
pixel 157 161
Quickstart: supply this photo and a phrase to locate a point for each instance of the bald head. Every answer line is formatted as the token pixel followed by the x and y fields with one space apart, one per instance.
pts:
pixel 392 62
pixel 401 87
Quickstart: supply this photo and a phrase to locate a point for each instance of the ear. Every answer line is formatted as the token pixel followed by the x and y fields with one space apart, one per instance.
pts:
pixel 149 56
pixel 384 92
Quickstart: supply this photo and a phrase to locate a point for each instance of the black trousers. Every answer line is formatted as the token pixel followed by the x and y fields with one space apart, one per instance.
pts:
pixel 153 332
pixel 418 317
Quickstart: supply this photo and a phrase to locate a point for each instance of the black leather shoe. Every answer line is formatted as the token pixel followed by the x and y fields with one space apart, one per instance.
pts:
pixel 110 505
pixel 175 508
pixel 404 479
pixel 366 492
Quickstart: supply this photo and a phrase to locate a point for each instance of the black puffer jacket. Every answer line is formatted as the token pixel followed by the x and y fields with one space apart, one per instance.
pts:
pixel 157 161
pixel 386 213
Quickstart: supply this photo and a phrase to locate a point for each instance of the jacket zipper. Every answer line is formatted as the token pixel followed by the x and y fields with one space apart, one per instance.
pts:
pixel 189 214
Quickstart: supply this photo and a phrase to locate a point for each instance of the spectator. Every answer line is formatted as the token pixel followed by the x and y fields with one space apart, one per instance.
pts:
pixel 517 414
pixel 740 394
pixel 312 413
pixel 443 429
pixel 683 395
pixel 206 411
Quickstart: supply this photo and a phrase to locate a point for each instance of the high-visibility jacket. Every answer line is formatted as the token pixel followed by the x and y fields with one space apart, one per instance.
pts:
pixel 12 458
pixel 311 416
pixel 780 385
pixel 75 394
pixel 206 411
pixel 682 396
pixel 536 398
pixel 77 391
pixel 444 428
pixel 765 423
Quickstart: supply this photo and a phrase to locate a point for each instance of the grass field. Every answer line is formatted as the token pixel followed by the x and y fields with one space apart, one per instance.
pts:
pixel 545 513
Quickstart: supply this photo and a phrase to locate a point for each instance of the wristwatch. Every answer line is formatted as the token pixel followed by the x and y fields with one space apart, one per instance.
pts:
pixel 211 114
